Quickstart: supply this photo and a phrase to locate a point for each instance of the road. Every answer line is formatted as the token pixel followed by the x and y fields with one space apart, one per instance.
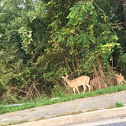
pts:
pixel 84 105
pixel 94 118
pixel 120 121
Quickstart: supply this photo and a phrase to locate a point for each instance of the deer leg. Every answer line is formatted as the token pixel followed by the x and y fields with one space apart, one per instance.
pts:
pixel 124 81
pixel 99 85
pixel 120 82
pixel 77 90
pixel 74 90
pixel 84 88
pixel 89 87
pixel 92 88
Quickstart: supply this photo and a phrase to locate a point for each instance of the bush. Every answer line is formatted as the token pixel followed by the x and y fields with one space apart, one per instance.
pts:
pixel 59 91
pixel 117 104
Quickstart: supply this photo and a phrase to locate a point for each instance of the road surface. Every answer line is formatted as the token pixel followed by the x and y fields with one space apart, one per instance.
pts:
pixel 120 121
pixel 94 118
pixel 83 105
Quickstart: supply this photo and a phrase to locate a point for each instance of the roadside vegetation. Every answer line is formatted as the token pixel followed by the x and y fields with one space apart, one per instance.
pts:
pixel 118 104
pixel 42 40
pixel 63 98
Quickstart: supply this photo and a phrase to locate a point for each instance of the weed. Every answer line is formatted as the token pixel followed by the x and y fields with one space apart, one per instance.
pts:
pixel 70 113
pixel 118 104
pixel 94 109
pixel 109 107
pixel 42 118
pixel 14 122
pixel 17 122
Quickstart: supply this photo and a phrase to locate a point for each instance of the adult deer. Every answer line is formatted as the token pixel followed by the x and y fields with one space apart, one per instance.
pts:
pixel 120 79
pixel 97 83
pixel 75 83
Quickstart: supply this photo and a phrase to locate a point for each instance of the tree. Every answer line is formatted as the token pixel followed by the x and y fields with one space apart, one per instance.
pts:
pixel 20 36
pixel 42 40
pixel 86 39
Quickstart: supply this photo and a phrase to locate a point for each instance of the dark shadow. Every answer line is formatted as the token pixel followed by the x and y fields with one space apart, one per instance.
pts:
pixel 114 124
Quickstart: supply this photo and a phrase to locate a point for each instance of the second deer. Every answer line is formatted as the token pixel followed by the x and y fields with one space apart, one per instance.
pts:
pixel 97 83
pixel 75 83
pixel 120 79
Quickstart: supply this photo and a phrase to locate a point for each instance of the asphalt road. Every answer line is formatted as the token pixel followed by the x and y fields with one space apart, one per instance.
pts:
pixel 110 117
pixel 104 122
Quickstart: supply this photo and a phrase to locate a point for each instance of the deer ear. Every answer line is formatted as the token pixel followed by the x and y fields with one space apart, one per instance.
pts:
pixel 120 74
pixel 66 76
pixel 62 76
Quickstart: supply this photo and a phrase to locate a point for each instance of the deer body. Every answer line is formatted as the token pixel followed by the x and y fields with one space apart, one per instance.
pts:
pixel 75 83
pixel 120 79
pixel 97 83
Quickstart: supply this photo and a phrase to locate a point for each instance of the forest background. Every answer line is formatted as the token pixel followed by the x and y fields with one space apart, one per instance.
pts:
pixel 42 40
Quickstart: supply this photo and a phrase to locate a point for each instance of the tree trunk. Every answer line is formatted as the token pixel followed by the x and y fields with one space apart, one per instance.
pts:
pixel 67 64
pixel 100 67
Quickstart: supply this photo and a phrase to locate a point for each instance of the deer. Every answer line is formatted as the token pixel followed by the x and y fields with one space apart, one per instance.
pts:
pixel 120 79
pixel 97 83
pixel 75 83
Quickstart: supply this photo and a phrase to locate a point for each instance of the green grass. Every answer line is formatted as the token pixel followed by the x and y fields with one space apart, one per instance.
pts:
pixel 64 98
pixel 118 104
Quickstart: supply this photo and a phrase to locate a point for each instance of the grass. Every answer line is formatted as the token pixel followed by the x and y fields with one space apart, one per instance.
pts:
pixel 118 104
pixel 47 101
pixel 70 113
pixel 110 107
pixel 14 122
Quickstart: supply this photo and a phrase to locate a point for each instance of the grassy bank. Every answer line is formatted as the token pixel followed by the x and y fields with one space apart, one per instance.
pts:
pixel 47 101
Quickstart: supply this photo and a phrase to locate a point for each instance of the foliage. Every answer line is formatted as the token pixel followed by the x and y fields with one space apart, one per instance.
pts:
pixel 42 40
pixel 122 64
pixel 117 104
pixel 60 91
